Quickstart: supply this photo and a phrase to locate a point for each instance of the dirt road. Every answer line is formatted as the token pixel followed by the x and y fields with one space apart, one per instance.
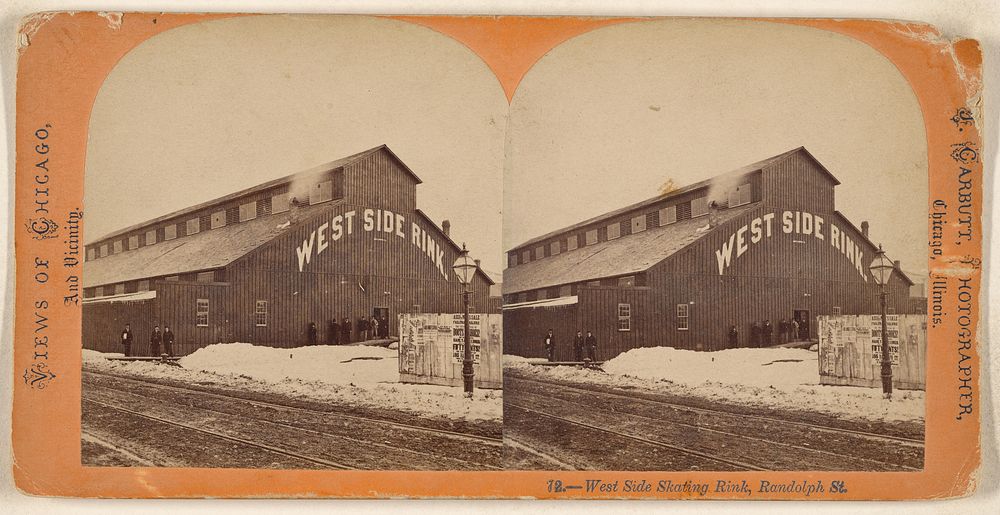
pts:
pixel 135 421
pixel 555 424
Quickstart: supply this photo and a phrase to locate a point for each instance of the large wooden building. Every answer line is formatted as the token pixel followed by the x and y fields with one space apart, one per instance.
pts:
pixel 761 243
pixel 341 240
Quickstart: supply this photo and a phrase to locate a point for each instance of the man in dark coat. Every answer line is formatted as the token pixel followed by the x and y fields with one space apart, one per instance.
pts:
pixel 127 340
pixel 591 343
pixel 578 347
pixel 334 337
pixel 311 333
pixel 754 335
pixel 384 326
pixel 550 345
pixel 345 331
pixel 765 331
pixel 168 341
pixel 734 337
pixel 363 328
pixel 154 341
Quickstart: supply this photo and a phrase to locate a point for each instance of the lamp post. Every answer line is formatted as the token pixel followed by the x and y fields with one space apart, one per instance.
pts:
pixel 465 269
pixel 881 269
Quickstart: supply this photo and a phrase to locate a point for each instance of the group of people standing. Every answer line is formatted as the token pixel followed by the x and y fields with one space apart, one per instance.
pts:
pixel 580 343
pixel 343 332
pixel 166 338
pixel 762 335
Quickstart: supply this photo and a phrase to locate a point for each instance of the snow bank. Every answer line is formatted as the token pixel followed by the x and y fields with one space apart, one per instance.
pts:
pixel 357 375
pixel 775 377
pixel 757 367
pixel 357 364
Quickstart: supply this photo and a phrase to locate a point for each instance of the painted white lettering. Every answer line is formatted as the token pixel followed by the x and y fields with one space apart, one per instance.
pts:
pixel 767 222
pixel 725 255
pixel 741 242
pixel 786 222
pixel 349 216
pixel 755 231
pixel 337 227
pixel 305 251
pixel 807 223
pixel 369 218
pixel 819 226
pixel 835 236
pixel 321 243
pixel 415 234
pixel 388 221
pixel 400 222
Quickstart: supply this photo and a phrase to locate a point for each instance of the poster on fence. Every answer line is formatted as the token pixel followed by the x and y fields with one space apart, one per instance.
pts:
pixel 432 348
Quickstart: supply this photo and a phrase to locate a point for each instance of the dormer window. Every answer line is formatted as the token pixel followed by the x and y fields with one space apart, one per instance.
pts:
pixel 151 237
pixel 638 224
pixel 193 226
pixel 554 248
pixel 668 215
pixel 219 219
pixel 699 207
pixel 740 195
pixel 279 203
pixel 614 231
pixel 572 242
pixel 248 211
pixel 170 232
pixel 133 242
pixel 322 192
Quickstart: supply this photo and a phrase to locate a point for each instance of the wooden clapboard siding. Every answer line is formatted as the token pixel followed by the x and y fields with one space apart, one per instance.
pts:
pixel 770 281
pixel 352 277
pixel 525 329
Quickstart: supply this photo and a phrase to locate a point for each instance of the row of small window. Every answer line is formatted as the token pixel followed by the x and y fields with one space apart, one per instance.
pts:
pixel 248 211
pixel 625 317
pixel 321 192
pixel 567 289
pixel 202 312
pixel 666 216
pixel 143 285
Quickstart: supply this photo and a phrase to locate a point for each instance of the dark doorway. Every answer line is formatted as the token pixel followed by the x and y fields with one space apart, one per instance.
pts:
pixel 382 315
pixel 802 317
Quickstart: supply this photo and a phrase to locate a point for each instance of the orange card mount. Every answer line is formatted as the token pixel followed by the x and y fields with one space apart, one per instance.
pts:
pixel 71 408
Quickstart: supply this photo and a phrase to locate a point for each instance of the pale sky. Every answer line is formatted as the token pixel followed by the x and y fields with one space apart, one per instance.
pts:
pixel 211 108
pixel 604 119
pixel 600 122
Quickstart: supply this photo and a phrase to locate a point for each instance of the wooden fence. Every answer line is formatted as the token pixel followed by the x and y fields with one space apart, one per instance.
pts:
pixel 431 348
pixel 850 350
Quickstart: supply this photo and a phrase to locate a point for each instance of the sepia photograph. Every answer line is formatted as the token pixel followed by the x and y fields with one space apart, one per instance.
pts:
pixel 287 247
pixel 715 259
pixel 497 257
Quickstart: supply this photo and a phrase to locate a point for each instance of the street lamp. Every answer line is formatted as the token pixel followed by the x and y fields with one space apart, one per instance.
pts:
pixel 881 269
pixel 465 269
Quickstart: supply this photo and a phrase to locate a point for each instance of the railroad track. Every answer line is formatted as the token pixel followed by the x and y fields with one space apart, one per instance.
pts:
pixel 912 442
pixel 655 443
pixel 765 441
pixel 401 425
pixel 367 443
pixel 223 436
pixel 508 440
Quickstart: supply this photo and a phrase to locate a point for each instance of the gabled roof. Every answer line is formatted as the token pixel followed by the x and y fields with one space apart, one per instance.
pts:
pixel 206 250
pixel 621 256
pixel 332 165
pixel 743 170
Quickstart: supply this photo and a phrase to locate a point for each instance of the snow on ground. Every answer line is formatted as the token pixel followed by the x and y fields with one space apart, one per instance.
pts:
pixel 774 377
pixel 359 375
